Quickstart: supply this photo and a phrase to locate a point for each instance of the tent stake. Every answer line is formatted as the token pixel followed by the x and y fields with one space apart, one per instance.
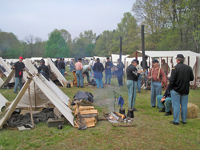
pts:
pixel 30 102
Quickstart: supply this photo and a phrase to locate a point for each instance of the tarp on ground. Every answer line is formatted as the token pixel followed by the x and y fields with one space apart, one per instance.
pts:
pixel 43 84
pixel 56 72
pixel 3 101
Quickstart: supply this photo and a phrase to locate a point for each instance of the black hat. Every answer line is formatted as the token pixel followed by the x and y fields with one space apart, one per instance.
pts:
pixel 180 56
pixel 135 60
pixel 79 59
pixel 97 58
pixel 155 61
pixel 108 58
pixel 42 61
pixel 146 56
pixel 91 58
pixel 118 60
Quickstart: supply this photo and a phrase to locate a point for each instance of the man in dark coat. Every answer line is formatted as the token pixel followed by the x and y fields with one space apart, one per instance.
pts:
pixel 61 66
pixel 98 75
pixel 179 84
pixel 120 72
pixel 19 68
pixel 56 62
pixel 132 77
pixel 108 67
pixel 43 69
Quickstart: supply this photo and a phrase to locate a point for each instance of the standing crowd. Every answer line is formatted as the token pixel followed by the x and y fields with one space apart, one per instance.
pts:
pixel 176 93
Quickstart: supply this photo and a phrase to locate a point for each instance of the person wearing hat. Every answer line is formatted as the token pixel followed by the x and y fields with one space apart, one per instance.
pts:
pixel 179 84
pixel 43 69
pixel 139 69
pixel 108 67
pixel 72 67
pixel 119 72
pixel 132 77
pixel 19 68
pixel 98 75
pixel 79 74
pixel 157 76
pixel 61 67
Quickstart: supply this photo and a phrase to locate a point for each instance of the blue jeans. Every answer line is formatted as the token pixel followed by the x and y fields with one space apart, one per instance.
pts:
pixel 120 80
pixel 139 83
pixel 62 71
pixel 168 103
pixel 132 87
pixel 18 82
pixel 109 78
pixel 99 82
pixel 88 77
pixel 178 99
pixel 156 89
pixel 79 76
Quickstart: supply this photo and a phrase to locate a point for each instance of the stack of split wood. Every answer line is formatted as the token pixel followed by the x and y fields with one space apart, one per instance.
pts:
pixel 86 114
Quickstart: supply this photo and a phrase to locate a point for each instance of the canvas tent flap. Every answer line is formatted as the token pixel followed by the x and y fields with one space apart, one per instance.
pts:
pixel 3 101
pixel 56 72
pixel 5 65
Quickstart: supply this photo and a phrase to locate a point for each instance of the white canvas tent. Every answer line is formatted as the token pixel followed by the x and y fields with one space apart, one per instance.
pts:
pixel 115 57
pixel 57 97
pixel 3 101
pixel 191 58
pixel 7 68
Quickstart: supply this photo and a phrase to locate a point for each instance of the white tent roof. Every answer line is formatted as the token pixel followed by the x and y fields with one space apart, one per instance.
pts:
pixel 44 85
pixel 56 72
pixel 3 101
pixel 115 57
pixel 194 58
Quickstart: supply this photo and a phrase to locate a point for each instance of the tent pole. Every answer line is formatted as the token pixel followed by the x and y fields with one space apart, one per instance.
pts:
pixel 188 60
pixel 30 102
pixel 135 54
pixel 35 96
pixel 167 66
pixel 195 73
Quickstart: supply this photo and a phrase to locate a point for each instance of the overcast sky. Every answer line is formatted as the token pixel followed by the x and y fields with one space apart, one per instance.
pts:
pixel 40 17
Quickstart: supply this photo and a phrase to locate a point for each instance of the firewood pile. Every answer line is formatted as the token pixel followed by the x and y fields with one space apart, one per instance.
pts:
pixel 86 115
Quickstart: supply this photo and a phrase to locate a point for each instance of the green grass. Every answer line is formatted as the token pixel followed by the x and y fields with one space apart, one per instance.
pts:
pixel 152 131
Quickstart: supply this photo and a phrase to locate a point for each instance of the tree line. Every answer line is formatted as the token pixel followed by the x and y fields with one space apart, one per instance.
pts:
pixel 169 25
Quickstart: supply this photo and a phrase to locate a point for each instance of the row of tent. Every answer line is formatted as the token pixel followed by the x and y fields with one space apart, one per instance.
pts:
pixel 42 92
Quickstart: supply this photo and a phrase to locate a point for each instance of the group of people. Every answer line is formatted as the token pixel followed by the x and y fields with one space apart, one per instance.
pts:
pixel 60 64
pixel 176 93
pixel 95 69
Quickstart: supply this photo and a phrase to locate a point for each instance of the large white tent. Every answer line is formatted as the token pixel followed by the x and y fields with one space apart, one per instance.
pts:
pixel 191 58
pixel 48 90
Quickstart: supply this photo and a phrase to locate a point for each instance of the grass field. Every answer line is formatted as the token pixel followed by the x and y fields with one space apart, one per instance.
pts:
pixel 152 130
